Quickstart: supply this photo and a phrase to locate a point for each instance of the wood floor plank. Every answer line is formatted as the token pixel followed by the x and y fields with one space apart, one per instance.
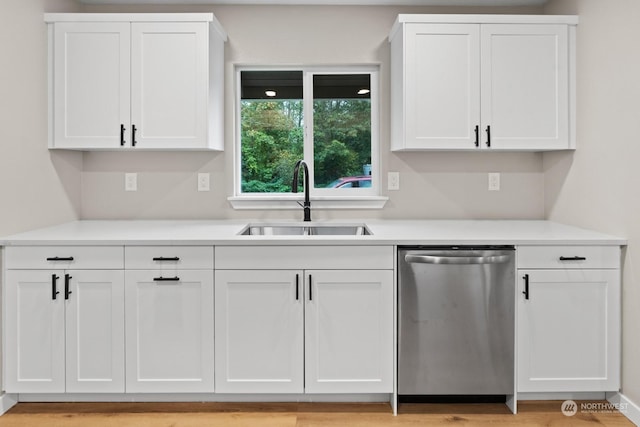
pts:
pixel 532 414
pixel 150 407
pixel 152 420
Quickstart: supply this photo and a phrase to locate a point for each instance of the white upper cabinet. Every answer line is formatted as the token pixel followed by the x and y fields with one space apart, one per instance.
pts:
pixel 142 81
pixel 525 86
pixel 469 82
pixel 91 84
pixel 442 85
pixel 169 80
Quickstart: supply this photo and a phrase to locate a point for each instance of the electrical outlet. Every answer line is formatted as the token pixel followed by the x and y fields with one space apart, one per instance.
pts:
pixel 494 181
pixel 393 181
pixel 203 182
pixel 130 182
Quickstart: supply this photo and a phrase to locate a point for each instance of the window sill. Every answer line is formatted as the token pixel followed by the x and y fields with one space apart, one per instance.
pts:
pixel 322 202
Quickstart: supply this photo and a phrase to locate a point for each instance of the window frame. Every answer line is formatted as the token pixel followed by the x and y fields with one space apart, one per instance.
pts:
pixel 362 197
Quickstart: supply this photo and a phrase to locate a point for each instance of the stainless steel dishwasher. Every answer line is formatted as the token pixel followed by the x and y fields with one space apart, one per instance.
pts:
pixel 456 321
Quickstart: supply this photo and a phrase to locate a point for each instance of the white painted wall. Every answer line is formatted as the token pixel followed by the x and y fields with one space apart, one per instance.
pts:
pixel 597 186
pixel 37 187
pixel 433 185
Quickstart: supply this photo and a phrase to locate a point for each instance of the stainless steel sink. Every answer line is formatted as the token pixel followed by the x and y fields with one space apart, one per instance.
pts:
pixel 301 229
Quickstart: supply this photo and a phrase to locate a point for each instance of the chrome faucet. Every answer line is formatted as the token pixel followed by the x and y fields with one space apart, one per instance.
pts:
pixel 294 187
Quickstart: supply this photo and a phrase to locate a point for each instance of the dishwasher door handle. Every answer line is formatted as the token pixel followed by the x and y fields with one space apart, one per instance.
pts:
pixel 456 260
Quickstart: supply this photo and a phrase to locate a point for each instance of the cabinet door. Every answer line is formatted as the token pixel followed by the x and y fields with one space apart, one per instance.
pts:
pixel 95 331
pixel 169 331
pixel 525 86
pixel 349 331
pixel 442 85
pixel 34 352
pixel 91 85
pixel 169 84
pixel 259 327
pixel 569 331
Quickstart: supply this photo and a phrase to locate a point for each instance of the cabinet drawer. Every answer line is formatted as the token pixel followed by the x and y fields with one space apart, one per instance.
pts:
pixel 64 257
pixel 304 257
pixel 568 256
pixel 168 257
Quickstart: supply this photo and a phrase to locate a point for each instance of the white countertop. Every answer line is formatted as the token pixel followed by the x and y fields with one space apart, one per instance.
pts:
pixel 384 232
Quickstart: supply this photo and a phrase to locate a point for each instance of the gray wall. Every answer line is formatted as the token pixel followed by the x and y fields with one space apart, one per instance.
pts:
pixel 433 185
pixel 596 187
pixel 37 187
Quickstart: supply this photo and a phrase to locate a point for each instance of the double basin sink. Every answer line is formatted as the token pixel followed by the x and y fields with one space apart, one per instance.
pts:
pixel 305 229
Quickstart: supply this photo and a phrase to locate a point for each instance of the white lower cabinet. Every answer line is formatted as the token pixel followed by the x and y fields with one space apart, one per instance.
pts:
pixel 64 331
pixel 569 320
pixel 95 332
pixel 304 330
pixel 169 331
pixel 286 319
pixel 259 331
pixel 349 331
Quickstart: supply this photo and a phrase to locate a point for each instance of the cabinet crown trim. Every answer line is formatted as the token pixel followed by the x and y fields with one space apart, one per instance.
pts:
pixel 405 18
pixel 51 18
pixel 128 17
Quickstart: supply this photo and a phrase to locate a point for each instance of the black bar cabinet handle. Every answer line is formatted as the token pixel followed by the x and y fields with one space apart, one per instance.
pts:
pixel 58 258
pixel 572 258
pixel 166 279
pixel 162 258
pixel 67 292
pixel 310 289
pixel 54 289
pixel 488 136
pixel 297 287
pixel 133 135
pixel 526 286
pixel 477 131
pixel 122 129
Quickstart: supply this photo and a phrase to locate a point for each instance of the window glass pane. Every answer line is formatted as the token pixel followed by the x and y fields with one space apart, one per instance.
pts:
pixel 272 134
pixel 342 130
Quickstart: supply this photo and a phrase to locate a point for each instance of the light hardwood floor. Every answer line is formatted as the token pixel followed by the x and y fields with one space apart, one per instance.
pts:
pixel 296 415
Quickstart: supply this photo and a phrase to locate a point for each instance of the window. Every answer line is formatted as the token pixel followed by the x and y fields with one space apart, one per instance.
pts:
pixel 271 129
pixel 325 116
